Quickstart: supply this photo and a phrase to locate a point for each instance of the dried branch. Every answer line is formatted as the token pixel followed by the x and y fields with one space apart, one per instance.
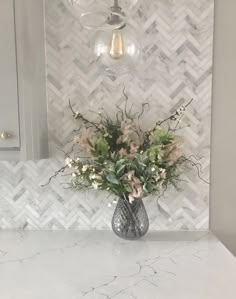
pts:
pixel 198 168
pixel 173 116
pixel 61 170
pixel 85 120
pixel 143 109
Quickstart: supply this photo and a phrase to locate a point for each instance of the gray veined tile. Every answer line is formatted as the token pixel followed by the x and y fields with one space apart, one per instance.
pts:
pixel 177 65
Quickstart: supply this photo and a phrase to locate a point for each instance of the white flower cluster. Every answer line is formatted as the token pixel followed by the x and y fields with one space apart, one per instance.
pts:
pixel 69 162
pixel 107 135
pixel 181 110
pixel 160 174
pixel 131 199
pixel 96 185
pixel 85 168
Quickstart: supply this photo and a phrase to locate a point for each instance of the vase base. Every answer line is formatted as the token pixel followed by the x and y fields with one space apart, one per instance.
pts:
pixel 130 220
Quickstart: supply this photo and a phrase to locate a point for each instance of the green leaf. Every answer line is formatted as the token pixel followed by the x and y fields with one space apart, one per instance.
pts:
pixel 120 169
pixel 159 136
pixel 148 188
pixel 112 179
pixel 109 165
pixel 101 147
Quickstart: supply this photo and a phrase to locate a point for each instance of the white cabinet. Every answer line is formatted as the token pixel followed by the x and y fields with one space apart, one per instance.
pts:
pixel 9 116
pixel 23 103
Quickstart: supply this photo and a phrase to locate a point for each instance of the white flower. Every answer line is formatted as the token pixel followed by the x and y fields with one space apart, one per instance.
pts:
pixel 68 162
pixel 109 205
pixel 95 185
pixel 131 199
pixel 92 176
pixel 84 168
pixel 163 173
pixel 153 169
pixel 74 175
pixel 78 159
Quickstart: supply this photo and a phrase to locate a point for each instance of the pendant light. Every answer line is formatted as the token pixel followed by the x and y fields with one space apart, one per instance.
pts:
pixel 117 47
pixel 85 4
pixel 93 14
pixel 81 4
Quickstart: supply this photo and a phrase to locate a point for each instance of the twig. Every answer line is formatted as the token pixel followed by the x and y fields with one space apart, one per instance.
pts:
pixel 172 116
pixel 196 158
pixel 143 109
pixel 180 128
pixel 55 175
pixel 199 170
pixel 126 101
pixel 85 120
pixel 178 122
pixel 158 124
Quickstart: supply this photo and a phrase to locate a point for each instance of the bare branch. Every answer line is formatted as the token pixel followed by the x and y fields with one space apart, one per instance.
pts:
pixel 172 116
pixel 84 120
pixel 61 170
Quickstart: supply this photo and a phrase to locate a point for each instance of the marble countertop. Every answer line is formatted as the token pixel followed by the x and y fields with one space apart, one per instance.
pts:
pixel 98 265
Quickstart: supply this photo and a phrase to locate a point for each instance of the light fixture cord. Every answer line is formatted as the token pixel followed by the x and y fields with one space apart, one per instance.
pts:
pixel 116 3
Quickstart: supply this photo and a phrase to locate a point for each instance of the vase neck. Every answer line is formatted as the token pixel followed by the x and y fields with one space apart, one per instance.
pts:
pixel 126 197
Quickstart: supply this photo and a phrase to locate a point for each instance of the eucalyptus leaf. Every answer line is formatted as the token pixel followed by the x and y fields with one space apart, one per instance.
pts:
pixel 112 179
pixel 119 171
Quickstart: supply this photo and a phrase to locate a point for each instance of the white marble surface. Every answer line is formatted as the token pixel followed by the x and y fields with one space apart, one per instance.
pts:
pixel 98 265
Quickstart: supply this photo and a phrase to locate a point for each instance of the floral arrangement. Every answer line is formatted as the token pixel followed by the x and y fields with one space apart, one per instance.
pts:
pixel 116 155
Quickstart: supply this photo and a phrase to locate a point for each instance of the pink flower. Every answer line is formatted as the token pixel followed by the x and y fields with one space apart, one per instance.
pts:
pixel 173 151
pixel 137 188
pixel 123 152
pixel 130 175
pixel 83 137
pixel 136 185
pixel 133 148
pixel 130 135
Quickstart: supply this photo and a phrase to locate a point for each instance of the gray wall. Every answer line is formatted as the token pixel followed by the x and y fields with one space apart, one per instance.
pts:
pixel 223 189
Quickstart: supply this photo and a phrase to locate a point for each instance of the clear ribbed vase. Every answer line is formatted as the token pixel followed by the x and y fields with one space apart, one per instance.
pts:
pixel 130 220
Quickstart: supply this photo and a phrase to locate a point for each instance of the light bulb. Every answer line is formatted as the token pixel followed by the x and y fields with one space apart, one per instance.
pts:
pixel 117 51
pixel 117 44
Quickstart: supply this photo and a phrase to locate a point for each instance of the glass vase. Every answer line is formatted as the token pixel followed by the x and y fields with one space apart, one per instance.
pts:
pixel 130 220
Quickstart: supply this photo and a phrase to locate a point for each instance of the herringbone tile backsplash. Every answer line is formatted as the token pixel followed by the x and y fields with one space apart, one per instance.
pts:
pixel 177 40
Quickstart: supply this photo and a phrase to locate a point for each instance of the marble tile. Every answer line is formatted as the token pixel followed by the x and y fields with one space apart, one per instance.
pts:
pixel 96 264
pixel 177 39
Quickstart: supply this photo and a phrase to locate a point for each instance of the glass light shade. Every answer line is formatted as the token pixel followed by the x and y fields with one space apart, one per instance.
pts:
pixel 81 4
pixel 126 4
pixel 117 51
pixel 94 14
